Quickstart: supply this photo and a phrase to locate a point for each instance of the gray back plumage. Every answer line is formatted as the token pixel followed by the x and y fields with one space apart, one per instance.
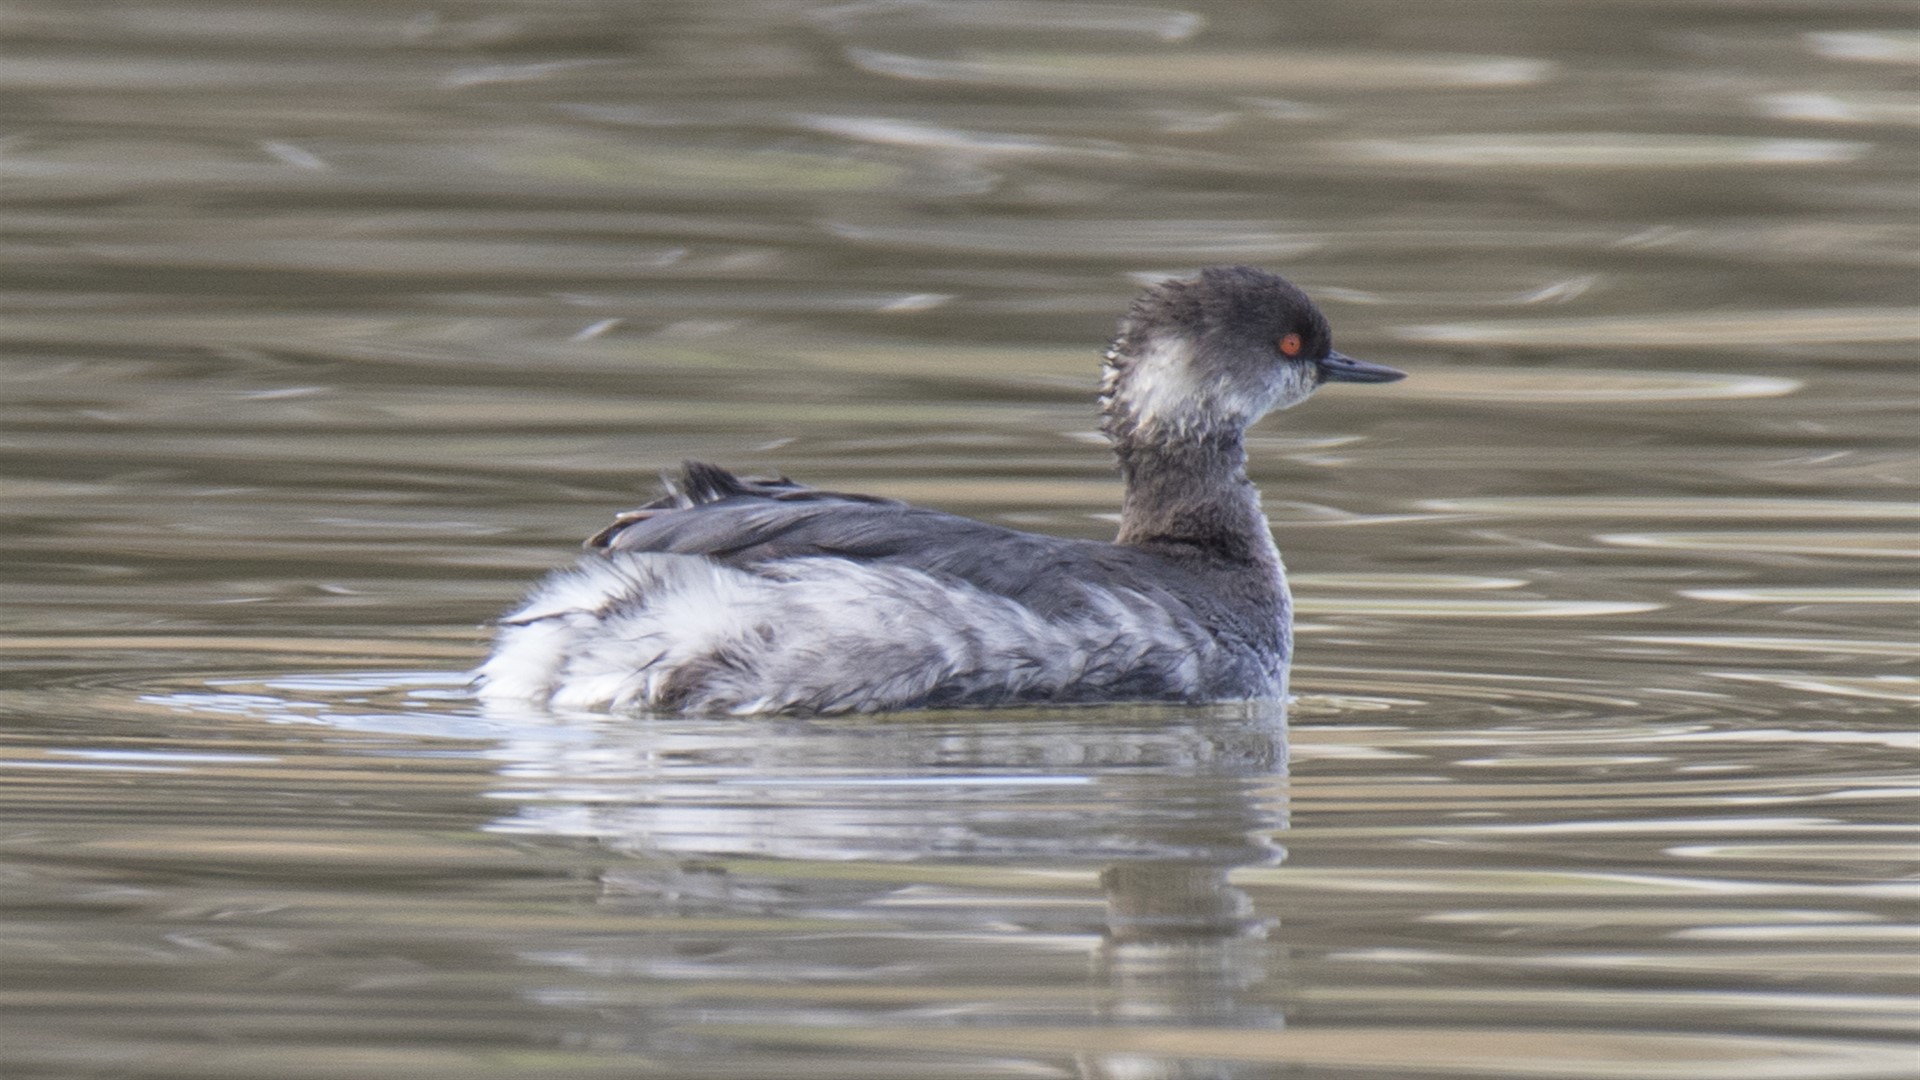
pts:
pixel 752 595
pixel 750 522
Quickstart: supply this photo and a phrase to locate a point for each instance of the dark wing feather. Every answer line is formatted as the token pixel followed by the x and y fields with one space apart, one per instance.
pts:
pixel 743 522
pixel 710 511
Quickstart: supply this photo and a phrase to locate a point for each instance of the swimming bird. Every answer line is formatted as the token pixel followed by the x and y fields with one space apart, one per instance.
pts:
pixel 741 595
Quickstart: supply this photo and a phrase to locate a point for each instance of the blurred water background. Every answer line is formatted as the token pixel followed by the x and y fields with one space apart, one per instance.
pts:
pixel 325 328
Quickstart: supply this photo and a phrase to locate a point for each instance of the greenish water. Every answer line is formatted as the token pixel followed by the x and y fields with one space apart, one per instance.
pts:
pixel 326 329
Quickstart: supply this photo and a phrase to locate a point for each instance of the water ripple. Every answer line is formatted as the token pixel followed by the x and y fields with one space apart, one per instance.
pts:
pixel 1195 69
pixel 1061 238
pixel 1841 108
pixel 1828 594
pixel 1685 330
pixel 1873 545
pixel 1597 150
pixel 1643 507
pixel 1468 609
pixel 1871 46
pixel 1486 1053
pixel 1025 17
pixel 1584 387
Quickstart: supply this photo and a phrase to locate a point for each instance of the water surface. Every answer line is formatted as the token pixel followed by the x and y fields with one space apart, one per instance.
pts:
pixel 324 330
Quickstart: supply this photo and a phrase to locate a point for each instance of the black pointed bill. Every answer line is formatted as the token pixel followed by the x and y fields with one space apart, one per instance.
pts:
pixel 1338 367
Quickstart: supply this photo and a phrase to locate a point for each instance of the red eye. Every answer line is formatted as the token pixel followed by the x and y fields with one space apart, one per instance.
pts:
pixel 1290 345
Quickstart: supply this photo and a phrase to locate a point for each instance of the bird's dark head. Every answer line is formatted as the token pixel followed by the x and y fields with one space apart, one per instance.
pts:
pixel 1214 352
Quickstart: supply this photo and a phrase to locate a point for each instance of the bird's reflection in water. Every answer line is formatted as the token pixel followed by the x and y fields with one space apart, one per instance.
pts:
pixel 1066 870
pixel 1183 947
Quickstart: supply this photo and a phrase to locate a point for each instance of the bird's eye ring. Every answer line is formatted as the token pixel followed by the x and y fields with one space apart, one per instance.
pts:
pixel 1290 345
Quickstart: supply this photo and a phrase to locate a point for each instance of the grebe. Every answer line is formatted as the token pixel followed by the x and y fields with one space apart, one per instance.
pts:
pixel 742 595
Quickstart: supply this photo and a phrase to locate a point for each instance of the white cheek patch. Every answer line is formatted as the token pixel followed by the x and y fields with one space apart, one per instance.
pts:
pixel 1160 391
pixel 1163 395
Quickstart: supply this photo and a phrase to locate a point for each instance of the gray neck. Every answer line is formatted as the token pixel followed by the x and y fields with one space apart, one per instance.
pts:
pixel 1193 495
